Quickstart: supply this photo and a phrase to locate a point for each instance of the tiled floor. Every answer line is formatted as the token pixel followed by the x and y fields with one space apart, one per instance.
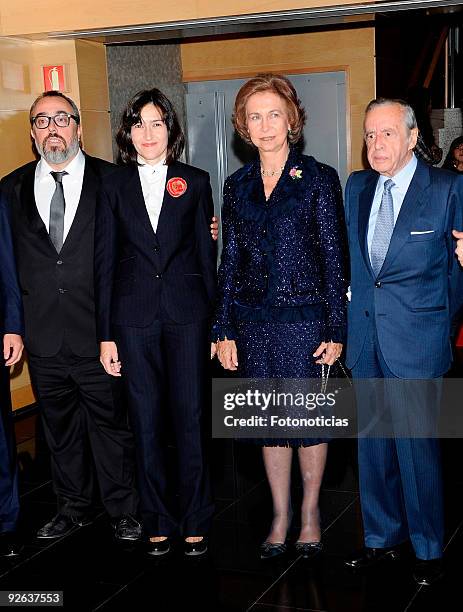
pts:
pixel 96 573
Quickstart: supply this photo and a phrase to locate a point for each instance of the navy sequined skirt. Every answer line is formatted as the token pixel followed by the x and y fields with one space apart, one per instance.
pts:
pixel 279 350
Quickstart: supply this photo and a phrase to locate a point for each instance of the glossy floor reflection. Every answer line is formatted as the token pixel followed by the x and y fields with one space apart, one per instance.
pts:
pixel 96 573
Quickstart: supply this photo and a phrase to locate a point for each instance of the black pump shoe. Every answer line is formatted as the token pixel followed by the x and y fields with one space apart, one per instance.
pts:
pixel 308 550
pixel 157 549
pixel 269 550
pixel 195 549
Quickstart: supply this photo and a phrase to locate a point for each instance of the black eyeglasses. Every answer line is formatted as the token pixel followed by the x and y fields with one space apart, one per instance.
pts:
pixel 60 120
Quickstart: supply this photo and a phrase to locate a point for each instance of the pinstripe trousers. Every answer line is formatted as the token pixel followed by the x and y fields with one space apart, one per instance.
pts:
pixel 164 367
pixel 400 477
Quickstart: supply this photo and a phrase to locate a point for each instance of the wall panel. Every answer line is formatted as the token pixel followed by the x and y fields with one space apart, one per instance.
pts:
pixel 344 49
pixel 39 16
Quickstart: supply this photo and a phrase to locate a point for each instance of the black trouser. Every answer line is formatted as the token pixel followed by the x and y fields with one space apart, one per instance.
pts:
pixel 9 501
pixel 86 428
pixel 164 370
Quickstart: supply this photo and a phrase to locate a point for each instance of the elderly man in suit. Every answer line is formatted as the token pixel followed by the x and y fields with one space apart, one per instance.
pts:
pixel 405 284
pixel 11 329
pixel 52 204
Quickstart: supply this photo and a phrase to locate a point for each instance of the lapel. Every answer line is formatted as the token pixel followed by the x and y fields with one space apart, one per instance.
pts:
pixel 365 204
pixel 26 196
pixel 414 197
pixel 25 193
pixel 289 189
pixel 85 212
pixel 169 203
pixel 135 195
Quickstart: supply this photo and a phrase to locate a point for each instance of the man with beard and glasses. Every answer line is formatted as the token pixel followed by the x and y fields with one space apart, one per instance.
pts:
pixel 52 205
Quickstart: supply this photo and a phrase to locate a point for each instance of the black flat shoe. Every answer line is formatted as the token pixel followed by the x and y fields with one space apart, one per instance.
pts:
pixel 369 557
pixel 127 527
pixel 195 549
pixel 308 550
pixel 427 572
pixel 270 551
pixel 9 544
pixel 157 549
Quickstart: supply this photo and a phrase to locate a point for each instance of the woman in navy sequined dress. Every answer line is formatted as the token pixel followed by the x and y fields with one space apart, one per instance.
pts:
pixel 282 282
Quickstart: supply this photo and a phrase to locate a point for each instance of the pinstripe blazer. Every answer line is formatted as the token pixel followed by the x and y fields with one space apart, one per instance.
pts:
pixel 140 273
pixel 419 288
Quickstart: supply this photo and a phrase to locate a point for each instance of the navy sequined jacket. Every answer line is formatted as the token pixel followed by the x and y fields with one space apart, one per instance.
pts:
pixel 284 259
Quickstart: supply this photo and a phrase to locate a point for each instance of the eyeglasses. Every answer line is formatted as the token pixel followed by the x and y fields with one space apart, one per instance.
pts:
pixel 60 120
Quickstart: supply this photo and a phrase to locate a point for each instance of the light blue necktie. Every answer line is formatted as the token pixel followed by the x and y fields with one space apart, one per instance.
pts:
pixel 383 228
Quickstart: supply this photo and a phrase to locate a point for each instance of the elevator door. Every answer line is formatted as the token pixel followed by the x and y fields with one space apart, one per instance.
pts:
pixel 214 146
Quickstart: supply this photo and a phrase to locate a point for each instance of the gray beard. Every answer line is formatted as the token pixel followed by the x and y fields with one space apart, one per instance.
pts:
pixel 59 156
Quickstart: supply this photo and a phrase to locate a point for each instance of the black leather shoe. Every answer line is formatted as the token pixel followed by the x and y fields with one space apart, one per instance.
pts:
pixel 368 557
pixel 127 528
pixel 427 572
pixel 308 550
pixel 9 545
pixel 195 549
pixel 157 549
pixel 60 525
pixel 270 551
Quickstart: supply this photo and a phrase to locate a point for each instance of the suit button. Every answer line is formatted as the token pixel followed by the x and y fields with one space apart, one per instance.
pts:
pixel 59 262
pixel 62 290
pixel 378 284
pixel 158 276
pixel 155 249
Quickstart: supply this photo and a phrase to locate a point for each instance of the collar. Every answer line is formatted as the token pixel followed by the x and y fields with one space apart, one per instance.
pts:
pixel 148 170
pixel 403 178
pixel 75 166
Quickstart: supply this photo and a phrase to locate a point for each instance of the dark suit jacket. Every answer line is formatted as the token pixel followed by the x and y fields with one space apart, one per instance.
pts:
pixel 57 289
pixel 11 311
pixel 140 274
pixel 285 259
pixel 419 288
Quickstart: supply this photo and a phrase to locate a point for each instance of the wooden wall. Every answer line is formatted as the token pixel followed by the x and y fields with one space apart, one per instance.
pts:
pixel 41 16
pixel 351 50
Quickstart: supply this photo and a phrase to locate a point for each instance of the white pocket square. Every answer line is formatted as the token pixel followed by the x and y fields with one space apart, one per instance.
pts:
pixel 423 232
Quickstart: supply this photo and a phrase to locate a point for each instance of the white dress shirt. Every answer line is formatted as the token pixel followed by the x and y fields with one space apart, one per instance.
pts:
pixel 153 185
pixel 44 188
pixel 402 182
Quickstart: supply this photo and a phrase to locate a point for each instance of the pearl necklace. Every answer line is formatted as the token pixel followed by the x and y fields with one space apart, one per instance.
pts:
pixel 272 172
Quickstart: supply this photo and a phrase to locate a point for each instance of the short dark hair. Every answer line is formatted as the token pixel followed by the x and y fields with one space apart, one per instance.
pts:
pixel 55 94
pixel 131 116
pixel 280 85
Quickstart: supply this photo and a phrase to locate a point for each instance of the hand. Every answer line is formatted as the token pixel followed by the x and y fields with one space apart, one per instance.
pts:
pixel 109 358
pixel 329 352
pixel 213 350
pixel 459 249
pixel 12 348
pixel 214 228
pixel 227 354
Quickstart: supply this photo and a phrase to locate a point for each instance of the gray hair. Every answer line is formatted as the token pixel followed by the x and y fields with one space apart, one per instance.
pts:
pixel 55 94
pixel 409 113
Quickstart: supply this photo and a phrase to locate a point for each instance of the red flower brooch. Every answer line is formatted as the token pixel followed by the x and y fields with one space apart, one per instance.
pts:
pixel 176 186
